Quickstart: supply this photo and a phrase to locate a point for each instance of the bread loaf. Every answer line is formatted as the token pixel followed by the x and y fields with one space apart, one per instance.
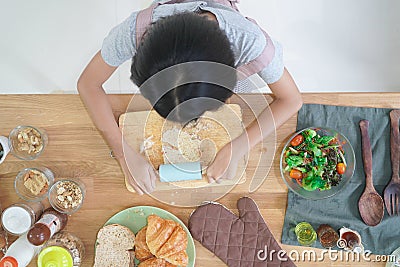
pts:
pixel 114 247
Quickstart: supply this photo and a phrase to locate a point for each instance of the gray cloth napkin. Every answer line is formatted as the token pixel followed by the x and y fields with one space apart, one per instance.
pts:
pixel 342 209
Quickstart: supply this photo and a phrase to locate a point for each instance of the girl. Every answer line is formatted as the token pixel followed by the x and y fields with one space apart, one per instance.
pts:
pixel 174 32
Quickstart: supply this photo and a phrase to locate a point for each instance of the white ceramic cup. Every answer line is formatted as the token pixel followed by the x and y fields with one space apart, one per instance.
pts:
pixel 6 148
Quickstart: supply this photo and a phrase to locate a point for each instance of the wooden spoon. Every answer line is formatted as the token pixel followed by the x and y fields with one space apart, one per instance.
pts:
pixel 370 204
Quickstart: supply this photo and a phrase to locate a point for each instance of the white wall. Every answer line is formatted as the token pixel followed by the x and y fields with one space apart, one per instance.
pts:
pixel 329 45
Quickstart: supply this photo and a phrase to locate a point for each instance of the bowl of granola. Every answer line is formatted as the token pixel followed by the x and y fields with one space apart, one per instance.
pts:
pixel 66 195
pixel 27 142
pixel 33 184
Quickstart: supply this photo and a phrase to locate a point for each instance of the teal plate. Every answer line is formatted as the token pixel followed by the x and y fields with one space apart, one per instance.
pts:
pixel 135 218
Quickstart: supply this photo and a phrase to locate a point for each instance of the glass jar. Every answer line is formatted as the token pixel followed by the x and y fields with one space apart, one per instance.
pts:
pixel 4 148
pixel 3 239
pixel 27 181
pixel 18 218
pixel 67 195
pixel 49 224
pixel 305 233
pixel 27 142
pixel 69 242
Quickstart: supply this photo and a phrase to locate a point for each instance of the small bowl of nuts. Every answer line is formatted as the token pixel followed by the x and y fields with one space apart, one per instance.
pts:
pixel 33 184
pixel 67 195
pixel 27 142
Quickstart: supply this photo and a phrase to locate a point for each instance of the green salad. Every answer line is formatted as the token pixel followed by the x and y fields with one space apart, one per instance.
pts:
pixel 315 161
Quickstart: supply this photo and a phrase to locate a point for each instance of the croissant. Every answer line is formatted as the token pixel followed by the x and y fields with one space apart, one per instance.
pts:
pixel 154 262
pixel 166 239
pixel 142 251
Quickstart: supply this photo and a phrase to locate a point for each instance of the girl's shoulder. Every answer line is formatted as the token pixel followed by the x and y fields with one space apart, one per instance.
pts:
pixel 247 39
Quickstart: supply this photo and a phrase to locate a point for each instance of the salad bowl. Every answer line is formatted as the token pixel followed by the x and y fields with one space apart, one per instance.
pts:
pixel 317 162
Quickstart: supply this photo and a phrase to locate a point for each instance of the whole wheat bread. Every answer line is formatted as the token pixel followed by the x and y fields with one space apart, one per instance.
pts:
pixel 114 247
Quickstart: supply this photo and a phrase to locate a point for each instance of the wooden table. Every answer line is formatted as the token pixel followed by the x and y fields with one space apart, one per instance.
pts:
pixel 76 149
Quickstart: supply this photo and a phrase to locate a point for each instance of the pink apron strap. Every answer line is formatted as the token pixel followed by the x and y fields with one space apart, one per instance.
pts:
pixel 144 17
pixel 143 20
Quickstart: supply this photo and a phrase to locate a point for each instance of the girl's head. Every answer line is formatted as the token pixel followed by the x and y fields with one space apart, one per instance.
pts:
pixel 177 39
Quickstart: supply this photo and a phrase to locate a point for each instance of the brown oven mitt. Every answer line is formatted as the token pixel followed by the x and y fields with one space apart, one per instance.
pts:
pixel 237 241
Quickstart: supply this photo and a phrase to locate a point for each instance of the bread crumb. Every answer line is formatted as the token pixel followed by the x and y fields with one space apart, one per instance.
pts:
pixel 147 144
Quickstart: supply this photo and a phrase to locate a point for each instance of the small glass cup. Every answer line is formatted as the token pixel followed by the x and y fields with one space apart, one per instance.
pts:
pixel 305 233
pixel 15 139
pixel 67 195
pixel 4 148
pixel 21 185
pixel 18 218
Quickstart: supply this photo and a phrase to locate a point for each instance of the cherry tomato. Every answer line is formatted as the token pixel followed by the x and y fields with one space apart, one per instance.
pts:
pixel 297 140
pixel 295 174
pixel 341 168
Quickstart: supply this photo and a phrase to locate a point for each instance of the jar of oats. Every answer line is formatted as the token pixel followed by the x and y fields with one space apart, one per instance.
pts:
pixel 67 245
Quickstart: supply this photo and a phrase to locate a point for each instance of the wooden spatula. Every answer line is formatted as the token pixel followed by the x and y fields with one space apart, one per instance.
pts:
pixel 370 204
pixel 392 190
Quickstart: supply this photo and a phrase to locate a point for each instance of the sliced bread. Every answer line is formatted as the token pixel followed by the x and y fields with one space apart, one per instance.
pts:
pixel 114 247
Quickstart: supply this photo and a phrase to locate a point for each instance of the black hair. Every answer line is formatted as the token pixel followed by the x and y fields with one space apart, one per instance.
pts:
pixel 182 38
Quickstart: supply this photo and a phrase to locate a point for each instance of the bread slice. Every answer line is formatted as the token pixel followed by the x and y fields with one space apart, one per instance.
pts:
pixel 114 247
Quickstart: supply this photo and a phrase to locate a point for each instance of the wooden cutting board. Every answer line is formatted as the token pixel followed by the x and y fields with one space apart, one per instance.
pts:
pixel 220 127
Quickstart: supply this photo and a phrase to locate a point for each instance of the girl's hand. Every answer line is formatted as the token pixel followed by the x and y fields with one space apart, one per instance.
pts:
pixel 140 173
pixel 226 161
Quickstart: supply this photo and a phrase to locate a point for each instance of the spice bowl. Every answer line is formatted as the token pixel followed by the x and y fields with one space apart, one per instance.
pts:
pixel 27 142
pixel 33 184
pixel 4 148
pixel 67 195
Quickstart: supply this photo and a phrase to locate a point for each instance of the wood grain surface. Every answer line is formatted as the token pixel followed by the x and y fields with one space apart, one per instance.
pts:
pixel 76 149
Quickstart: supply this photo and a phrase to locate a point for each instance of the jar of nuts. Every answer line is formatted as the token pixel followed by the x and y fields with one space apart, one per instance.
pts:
pixel 27 142
pixel 33 184
pixel 67 195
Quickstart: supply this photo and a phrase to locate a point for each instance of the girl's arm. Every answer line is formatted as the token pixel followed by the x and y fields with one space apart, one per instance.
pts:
pixel 90 87
pixel 287 102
